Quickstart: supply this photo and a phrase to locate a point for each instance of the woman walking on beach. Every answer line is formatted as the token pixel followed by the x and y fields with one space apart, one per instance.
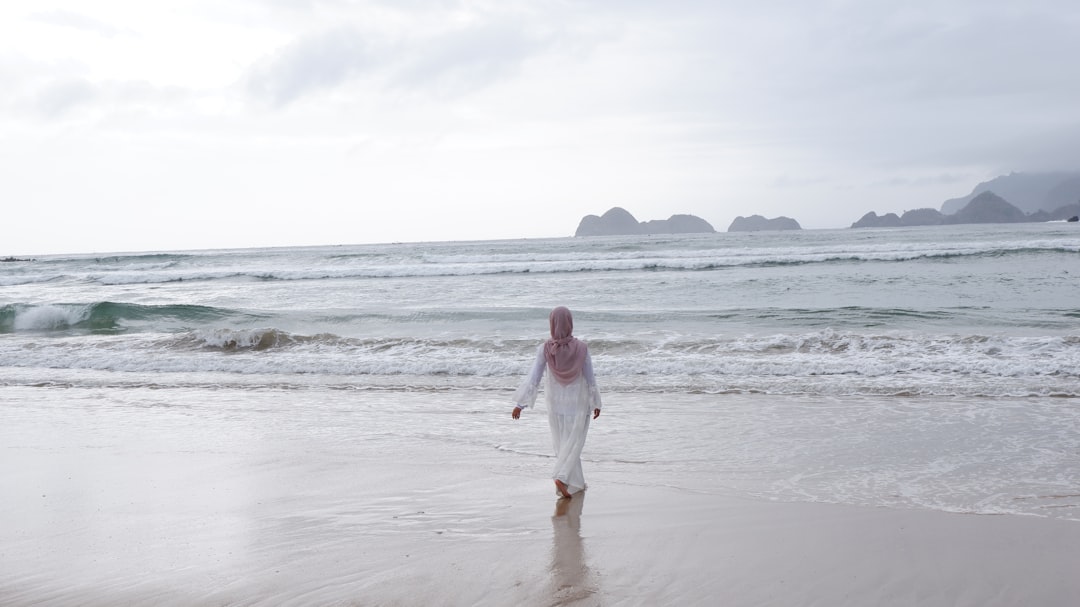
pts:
pixel 570 394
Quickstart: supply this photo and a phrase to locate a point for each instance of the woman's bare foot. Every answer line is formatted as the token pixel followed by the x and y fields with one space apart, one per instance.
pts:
pixel 561 488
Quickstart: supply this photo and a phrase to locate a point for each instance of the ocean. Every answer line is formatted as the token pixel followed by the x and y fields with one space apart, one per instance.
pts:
pixel 929 368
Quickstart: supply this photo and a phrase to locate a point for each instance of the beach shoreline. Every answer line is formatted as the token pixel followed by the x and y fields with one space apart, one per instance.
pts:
pixel 130 512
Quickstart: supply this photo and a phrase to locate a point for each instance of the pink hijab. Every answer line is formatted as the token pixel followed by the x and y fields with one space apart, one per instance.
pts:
pixel 565 355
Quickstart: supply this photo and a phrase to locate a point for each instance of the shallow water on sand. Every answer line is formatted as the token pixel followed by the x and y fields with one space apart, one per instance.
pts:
pixel 958 455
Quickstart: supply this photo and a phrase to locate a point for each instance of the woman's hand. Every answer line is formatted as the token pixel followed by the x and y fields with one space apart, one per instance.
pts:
pixel 517 413
pixel 595 413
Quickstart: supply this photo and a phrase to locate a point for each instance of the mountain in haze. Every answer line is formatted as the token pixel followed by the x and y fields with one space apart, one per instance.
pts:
pixel 986 207
pixel 617 221
pixel 1030 192
pixel 757 223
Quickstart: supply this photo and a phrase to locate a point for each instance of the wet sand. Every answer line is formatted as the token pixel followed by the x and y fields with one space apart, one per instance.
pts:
pixel 144 507
pixel 187 529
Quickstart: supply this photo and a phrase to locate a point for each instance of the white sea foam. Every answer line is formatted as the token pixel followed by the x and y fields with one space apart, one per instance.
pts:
pixel 49 317
pixel 827 363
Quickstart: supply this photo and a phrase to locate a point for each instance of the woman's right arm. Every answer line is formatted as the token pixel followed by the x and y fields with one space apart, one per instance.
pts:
pixel 530 386
pixel 590 381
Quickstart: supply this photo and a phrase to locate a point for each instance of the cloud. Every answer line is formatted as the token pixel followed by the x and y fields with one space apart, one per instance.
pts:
pixel 925 180
pixel 77 21
pixel 320 61
pixel 784 106
pixel 443 53
pixel 1050 148
pixel 868 84
pixel 787 181
pixel 470 57
pixel 76 98
pixel 60 97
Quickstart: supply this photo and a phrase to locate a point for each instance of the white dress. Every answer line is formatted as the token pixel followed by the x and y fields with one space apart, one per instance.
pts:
pixel 569 412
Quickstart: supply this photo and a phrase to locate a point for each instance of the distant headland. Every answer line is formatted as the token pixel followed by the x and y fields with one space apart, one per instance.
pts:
pixel 617 221
pixel 986 207
pixel 1012 198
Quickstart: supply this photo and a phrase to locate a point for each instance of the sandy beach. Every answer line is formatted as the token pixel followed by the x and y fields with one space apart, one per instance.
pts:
pixel 118 504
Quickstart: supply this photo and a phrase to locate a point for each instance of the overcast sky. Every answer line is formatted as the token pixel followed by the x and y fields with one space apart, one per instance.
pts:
pixel 131 125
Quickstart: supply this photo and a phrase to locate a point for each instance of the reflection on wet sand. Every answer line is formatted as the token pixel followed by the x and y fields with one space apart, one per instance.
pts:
pixel 570 576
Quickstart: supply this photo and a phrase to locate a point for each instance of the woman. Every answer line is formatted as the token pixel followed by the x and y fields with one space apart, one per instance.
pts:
pixel 570 393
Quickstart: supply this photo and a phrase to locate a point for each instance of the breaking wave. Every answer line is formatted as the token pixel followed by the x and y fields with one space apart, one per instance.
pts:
pixel 331 264
pixel 105 317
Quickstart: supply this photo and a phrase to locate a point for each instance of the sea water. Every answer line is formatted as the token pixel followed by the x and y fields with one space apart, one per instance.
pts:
pixel 931 367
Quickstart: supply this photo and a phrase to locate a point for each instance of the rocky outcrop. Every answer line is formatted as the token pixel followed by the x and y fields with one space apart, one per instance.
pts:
pixel 677 224
pixel 613 223
pixel 619 222
pixel 917 217
pixel 873 220
pixel 757 223
pixel 923 217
